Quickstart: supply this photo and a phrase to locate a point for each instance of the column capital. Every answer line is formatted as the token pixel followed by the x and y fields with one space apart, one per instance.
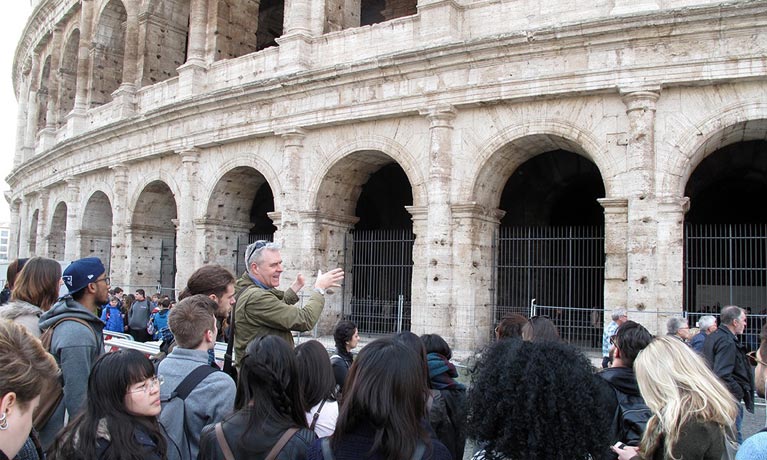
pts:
pixel 292 137
pixel 473 210
pixel 671 205
pixel 418 213
pixel 189 155
pixel 614 205
pixel 441 115
pixel 640 99
pixel 337 220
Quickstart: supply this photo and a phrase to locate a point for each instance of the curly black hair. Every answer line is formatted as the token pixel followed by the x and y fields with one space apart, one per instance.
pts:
pixel 539 401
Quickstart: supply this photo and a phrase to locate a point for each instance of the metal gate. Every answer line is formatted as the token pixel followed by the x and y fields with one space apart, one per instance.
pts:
pixel 380 265
pixel 167 282
pixel 560 267
pixel 242 243
pixel 725 264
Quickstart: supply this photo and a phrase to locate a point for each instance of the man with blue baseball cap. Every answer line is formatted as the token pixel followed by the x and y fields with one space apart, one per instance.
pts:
pixel 77 339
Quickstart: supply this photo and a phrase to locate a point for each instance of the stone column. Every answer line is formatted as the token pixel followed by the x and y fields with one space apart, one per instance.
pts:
pixel 289 233
pixel 425 317
pixel 42 224
pixel 72 248
pixel 670 271
pixel 76 118
pixel 119 271
pixel 21 115
pixel 186 247
pixel 295 42
pixel 13 237
pixel 192 74
pixel 642 204
pixel 30 136
pixel 124 97
pixel 616 250
pixel 326 235
pixel 475 229
pixel 434 297
pixel 24 223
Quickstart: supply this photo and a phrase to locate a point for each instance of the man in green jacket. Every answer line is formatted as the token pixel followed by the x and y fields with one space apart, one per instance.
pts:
pixel 262 309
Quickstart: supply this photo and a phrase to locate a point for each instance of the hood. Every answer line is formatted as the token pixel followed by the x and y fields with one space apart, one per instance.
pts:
pixel 17 308
pixel 70 308
pixel 623 379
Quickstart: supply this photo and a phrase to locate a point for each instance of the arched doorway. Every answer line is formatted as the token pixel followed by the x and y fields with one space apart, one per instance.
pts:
pixel 107 53
pixel 238 214
pixel 379 249
pixel 68 76
pixel 726 233
pixel 550 257
pixel 96 229
pixel 58 235
pixel 153 240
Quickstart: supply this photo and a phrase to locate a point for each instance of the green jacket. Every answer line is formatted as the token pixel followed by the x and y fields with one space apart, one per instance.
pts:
pixel 260 312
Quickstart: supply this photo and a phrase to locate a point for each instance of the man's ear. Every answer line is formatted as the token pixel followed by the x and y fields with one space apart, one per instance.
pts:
pixel 617 353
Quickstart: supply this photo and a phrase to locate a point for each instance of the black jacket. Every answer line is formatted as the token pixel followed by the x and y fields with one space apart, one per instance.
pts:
pixel 632 413
pixel 257 443
pixel 727 358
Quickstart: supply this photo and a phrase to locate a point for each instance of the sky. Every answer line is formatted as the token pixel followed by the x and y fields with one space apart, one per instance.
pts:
pixel 12 22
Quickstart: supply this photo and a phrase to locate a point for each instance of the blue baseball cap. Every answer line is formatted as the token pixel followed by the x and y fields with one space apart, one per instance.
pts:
pixel 82 272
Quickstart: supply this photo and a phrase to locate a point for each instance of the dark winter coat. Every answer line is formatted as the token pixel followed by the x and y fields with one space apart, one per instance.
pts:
pixel 727 358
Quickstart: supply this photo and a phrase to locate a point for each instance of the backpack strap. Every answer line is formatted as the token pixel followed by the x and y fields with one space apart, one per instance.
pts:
pixel 281 443
pixel 228 362
pixel 327 453
pixel 228 455
pixel 317 415
pixel 191 381
pixel 46 341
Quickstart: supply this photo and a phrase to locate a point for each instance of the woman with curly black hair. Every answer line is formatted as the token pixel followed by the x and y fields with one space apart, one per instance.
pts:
pixel 538 401
pixel 120 417
pixel 346 337
pixel 269 412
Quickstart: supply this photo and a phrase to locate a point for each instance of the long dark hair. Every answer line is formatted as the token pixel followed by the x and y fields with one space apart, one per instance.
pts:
pixel 269 384
pixel 317 381
pixel 385 389
pixel 344 332
pixel 111 376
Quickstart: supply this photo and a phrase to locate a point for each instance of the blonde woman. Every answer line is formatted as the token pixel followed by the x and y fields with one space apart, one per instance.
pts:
pixel 692 410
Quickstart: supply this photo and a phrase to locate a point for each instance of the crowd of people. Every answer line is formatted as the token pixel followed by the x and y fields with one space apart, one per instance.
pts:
pixel 528 395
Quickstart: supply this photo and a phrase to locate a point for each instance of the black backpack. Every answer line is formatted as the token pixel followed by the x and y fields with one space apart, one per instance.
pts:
pixel 632 415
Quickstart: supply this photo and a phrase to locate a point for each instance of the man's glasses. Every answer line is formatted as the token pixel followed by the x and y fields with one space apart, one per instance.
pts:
pixel 251 249
pixel 753 358
pixel 149 385
pixel 104 279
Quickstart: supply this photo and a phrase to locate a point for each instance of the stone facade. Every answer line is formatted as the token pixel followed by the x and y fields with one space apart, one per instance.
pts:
pixel 145 121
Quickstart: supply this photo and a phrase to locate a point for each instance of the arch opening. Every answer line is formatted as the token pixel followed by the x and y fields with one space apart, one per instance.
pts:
pixel 108 53
pixel 33 233
pixel 234 22
pixel 96 233
pixel 153 239
pixel 68 77
pixel 167 37
pixel 58 234
pixel 42 94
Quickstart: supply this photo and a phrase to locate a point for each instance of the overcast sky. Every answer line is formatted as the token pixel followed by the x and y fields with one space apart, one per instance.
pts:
pixel 12 22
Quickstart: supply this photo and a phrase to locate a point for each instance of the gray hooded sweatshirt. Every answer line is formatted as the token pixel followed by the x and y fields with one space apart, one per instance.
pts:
pixel 75 349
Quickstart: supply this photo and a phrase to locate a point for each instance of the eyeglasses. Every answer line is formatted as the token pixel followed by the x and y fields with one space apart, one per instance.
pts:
pixel 104 279
pixel 254 247
pixel 754 360
pixel 149 385
pixel 612 340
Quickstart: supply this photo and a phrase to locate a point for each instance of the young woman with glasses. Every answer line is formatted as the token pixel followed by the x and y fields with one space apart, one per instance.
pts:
pixel 120 417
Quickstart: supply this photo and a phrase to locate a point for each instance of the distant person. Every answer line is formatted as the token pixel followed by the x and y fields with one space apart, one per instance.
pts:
pixel 619 317
pixel 77 339
pixel 540 329
pixel 270 415
pixel 346 337
pixel 727 358
pixel 691 408
pixel 510 327
pixel 27 371
pixel 677 327
pixel 318 387
pixel 35 290
pixel 112 316
pixel 262 309
pixel 119 421
pixel 448 407
pixel 383 409
pixel 10 277
pixel 216 282
pixel 138 317
pixel 707 325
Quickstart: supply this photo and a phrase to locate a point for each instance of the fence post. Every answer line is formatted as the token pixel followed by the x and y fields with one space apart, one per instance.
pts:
pixel 400 307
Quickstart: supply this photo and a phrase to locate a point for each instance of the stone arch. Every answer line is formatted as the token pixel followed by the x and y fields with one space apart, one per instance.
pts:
pixel 152 237
pixel 346 157
pixel 509 149
pixel 738 123
pixel 96 228
pixel 33 232
pixel 167 34
pixel 236 36
pixel 107 54
pixel 57 236
pixel 42 93
pixel 261 167
pixel 68 75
